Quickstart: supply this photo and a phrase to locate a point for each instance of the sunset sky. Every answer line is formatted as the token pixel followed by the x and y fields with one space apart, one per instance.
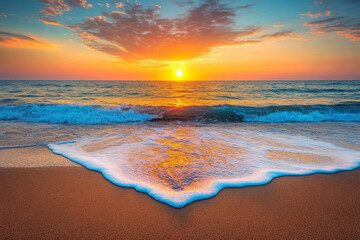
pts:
pixel 204 39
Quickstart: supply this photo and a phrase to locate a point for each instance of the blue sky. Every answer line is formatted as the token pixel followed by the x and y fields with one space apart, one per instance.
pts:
pixel 22 16
pixel 167 31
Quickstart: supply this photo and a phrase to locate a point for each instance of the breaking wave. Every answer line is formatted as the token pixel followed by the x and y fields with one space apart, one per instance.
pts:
pixel 72 114
pixel 86 114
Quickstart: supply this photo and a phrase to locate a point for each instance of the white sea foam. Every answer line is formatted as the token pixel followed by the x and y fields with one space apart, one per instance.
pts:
pixel 179 164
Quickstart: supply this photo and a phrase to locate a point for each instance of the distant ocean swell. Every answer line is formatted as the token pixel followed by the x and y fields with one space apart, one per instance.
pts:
pixel 86 114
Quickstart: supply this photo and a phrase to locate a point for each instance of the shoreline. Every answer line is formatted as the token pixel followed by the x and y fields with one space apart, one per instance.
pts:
pixel 74 202
pixel 32 157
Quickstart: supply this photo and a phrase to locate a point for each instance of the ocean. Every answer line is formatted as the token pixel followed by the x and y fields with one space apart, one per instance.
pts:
pixel 182 141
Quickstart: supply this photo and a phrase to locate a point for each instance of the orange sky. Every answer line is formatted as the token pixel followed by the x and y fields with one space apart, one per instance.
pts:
pixel 297 47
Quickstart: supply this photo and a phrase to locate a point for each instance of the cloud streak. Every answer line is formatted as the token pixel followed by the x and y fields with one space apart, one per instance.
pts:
pixel 283 34
pixel 340 25
pixel 50 22
pixel 14 40
pixel 79 3
pixel 312 15
pixel 57 7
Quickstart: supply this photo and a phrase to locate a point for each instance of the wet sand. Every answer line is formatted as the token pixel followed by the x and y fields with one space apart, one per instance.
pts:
pixel 76 203
pixel 37 156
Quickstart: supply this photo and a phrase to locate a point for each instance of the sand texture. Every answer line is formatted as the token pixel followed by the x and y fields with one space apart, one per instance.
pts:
pixel 76 203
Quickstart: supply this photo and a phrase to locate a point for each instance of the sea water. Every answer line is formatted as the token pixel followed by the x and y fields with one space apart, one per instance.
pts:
pixel 184 141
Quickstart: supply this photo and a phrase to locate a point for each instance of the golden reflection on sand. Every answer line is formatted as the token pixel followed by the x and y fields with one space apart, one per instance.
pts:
pixel 182 161
pixel 304 157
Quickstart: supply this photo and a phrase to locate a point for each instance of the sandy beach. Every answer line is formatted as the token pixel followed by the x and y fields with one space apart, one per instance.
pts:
pixel 76 203
pixel 128 119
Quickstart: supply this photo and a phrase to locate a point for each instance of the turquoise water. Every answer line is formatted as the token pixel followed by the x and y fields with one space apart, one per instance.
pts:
pixel 184 141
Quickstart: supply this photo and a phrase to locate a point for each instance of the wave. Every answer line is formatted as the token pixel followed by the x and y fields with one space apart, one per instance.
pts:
pixel 277 114
pixel 72 114
pixel 85 114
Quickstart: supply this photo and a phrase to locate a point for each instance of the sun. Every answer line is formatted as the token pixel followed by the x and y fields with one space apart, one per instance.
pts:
pixel 179 73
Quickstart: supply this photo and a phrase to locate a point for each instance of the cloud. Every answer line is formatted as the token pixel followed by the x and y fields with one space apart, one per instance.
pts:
pixel 248 6
pixel 279 26
pixel 316 15
pixel 104 4
pixel 50 22
pixel 54 7
pixel 328 13
pixel 184 3
pixel 57 7
pixel 3 15
pixel 139 33
pixel 15 40
pixel 340 25
pixel 323 22
pixel 311 15
pixel 4 35
pixel 79 3
pixel 119 5
pixel 283 34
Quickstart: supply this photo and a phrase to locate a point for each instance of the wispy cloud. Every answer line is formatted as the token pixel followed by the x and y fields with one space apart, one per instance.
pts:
pixel 317 15
pixel 340 25
pixel 57 7
pixel 119 5
pixel 79 3
pixel 328 13
pixel 312 15
pixel 104 4
pixel 54 7
pixel 283 34
pixel 15 40
pixel 50 22
pixel 324 22
pixel 247 6
pixel 138 33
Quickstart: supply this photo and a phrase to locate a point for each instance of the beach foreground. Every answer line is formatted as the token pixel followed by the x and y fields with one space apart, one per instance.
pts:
pixel 76 203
